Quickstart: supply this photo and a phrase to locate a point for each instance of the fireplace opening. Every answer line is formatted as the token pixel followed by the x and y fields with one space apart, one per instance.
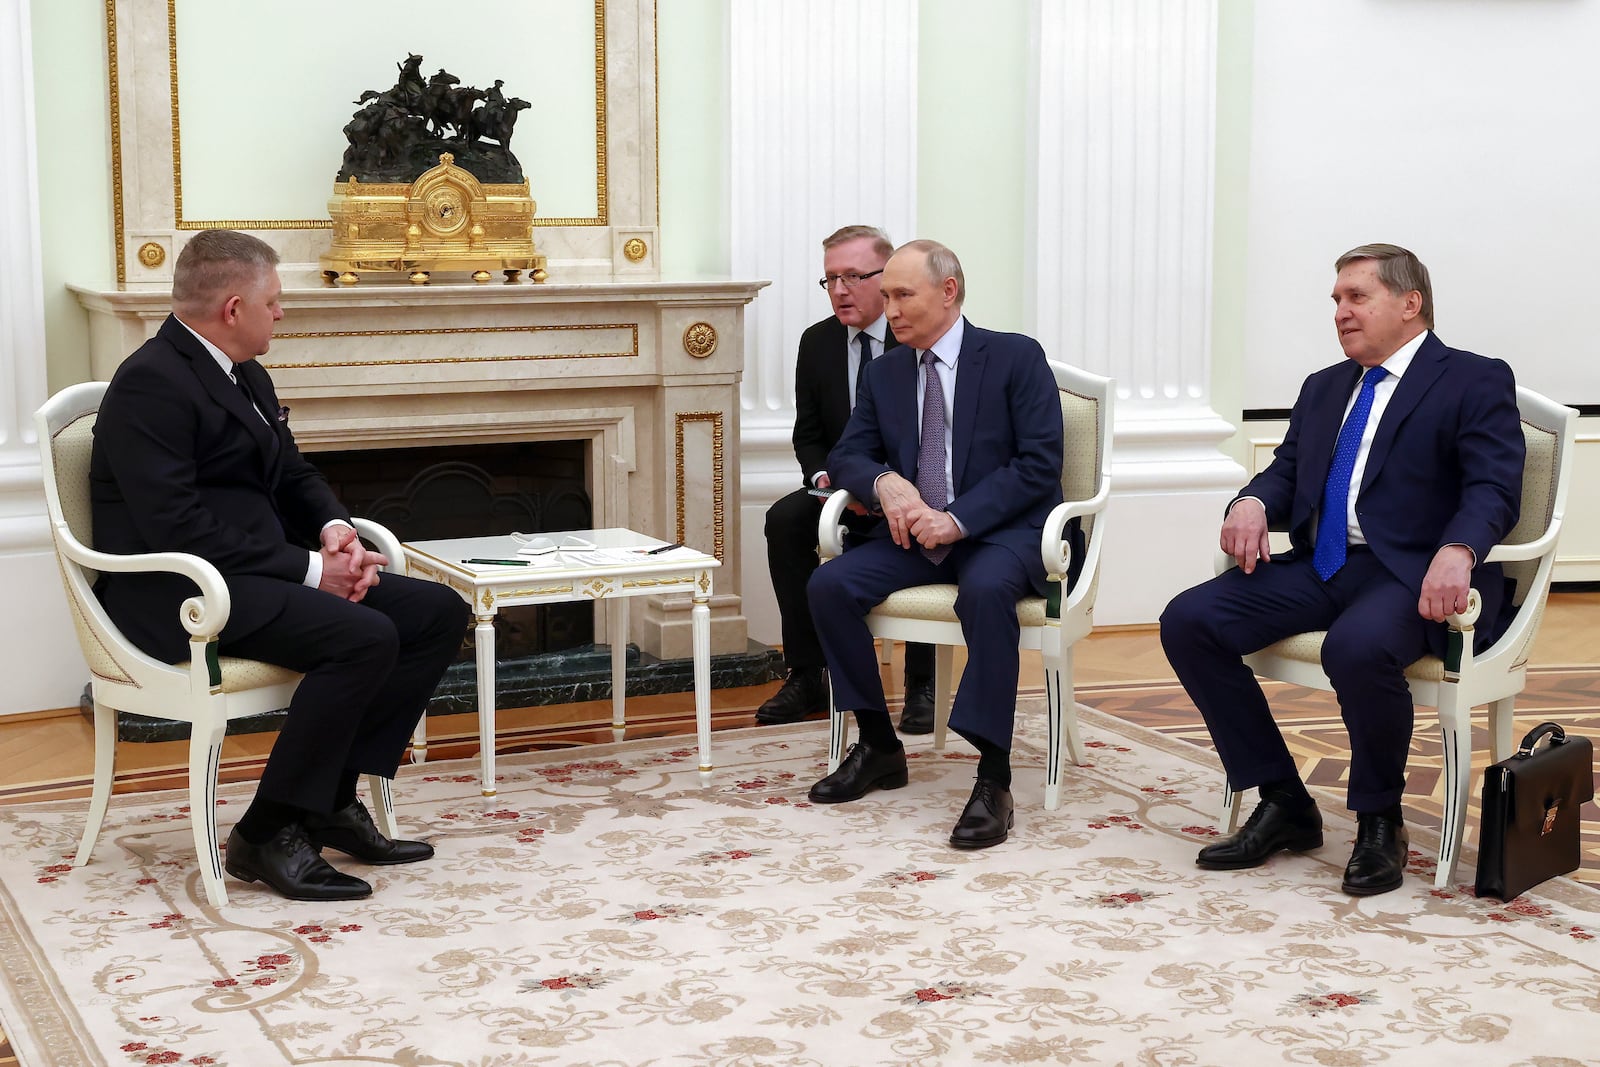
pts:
pixel 477 490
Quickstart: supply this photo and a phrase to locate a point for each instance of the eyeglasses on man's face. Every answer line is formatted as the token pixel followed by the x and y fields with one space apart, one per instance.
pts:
pixel 851 280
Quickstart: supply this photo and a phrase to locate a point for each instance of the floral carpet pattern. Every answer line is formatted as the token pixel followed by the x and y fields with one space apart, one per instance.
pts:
pixel 609 908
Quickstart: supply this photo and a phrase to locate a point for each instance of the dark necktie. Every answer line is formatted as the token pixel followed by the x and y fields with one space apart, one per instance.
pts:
pixel 931 485
pixel 861 367
pixel 1332 532
pixel 250 397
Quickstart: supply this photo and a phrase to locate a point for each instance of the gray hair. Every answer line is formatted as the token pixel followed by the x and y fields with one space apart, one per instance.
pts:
pixel 942 264
pixel 1399 270
pixel 880 240
pixel 217 264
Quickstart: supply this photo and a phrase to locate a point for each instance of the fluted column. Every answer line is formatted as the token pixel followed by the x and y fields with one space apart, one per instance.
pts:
pixel 38 657
pixel 824 114
pixel 1121 184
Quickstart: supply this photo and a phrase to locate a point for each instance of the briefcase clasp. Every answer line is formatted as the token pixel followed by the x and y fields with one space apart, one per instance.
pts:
pixel 1550 817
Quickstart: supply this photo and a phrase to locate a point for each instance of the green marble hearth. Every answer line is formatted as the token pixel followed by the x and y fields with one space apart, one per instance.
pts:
pixel 567 677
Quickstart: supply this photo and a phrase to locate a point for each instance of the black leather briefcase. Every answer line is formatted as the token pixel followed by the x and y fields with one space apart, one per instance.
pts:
pixel 1530 812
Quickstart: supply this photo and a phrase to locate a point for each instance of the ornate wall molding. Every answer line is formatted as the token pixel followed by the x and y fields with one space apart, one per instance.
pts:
pixel 22 363
pixel 38 656
pixel 142 42
pixel 823 133
pixel 1120 262
pixel 828 87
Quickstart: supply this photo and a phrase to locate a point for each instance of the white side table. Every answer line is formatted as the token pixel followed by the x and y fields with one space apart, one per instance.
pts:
pixel 620 566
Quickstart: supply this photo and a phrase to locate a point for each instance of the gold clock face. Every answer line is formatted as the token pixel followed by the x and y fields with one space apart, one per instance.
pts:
pixel 447 211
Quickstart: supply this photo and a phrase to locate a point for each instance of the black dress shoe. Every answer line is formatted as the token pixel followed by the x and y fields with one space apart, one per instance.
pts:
pixel 1272 827
pixel 289 864
pixel 862 770
pixel 804 694
pixel 917 715
pixel 1378 862
pixel 352 831
pixel 987 818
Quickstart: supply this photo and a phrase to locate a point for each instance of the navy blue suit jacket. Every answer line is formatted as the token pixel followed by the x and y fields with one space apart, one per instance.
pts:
pixel 1445 465
pixel 1005 446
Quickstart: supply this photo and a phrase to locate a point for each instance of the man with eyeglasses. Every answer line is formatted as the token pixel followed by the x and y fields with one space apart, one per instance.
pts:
pixel 832 355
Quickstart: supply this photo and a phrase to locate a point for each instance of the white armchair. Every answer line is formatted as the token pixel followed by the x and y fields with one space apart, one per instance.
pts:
pixel 207 690
pixel 1052 624
pixel 1462 681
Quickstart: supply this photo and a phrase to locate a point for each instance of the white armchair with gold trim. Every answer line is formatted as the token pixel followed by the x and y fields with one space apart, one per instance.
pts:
pixel 1052 624
pixel 208 690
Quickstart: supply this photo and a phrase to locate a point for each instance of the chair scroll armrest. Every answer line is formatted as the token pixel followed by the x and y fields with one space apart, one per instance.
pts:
pixel 202 616
pixel 830 524
pixel 1054 550
pixel 385 542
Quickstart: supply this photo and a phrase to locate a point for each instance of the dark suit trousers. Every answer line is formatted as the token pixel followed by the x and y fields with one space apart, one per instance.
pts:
pixel 1374 633
pixel 991 580
pixel 791 557
pixel 369 671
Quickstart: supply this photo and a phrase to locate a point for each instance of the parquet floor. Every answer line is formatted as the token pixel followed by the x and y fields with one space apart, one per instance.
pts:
pixel 1121 672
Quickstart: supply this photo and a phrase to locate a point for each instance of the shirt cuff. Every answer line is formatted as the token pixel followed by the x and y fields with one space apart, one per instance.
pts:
pixel 814 477
pixel 313 576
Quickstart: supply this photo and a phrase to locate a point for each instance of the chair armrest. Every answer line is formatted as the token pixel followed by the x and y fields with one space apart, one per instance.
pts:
pixel 1053 547
pixel 202 616
pixel 1528 550
pixel 385 542
pixel 830 524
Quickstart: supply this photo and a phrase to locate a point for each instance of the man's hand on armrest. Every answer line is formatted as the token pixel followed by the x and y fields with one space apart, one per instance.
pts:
pixel 1445 586
pixel 1244 533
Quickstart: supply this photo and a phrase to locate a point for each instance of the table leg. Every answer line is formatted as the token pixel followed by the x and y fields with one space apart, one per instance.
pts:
pixel 619 667
pixel 484 640
pixel 700 627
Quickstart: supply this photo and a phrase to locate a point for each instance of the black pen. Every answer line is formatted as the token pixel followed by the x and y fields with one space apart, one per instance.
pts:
pixel 499 562
pixel 657 551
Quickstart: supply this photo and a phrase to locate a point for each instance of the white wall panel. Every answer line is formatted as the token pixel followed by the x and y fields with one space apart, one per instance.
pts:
pixel 823 134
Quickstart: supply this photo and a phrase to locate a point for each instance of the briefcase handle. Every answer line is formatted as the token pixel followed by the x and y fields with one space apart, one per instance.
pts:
pixel 1557 735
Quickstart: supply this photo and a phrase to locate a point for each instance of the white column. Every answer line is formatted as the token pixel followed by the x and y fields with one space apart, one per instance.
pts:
pixel 1120 269
pixel 39 658
pixel 823 134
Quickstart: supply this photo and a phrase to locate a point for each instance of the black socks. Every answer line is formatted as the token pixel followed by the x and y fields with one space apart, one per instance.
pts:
pixel 1288 791
pixel 877 731
pixel 994 762
pixel 264 818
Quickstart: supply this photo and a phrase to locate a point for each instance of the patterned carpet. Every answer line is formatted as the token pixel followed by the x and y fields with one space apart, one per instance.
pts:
pixel 1310 719
pixel 1567 695
pixel 617 909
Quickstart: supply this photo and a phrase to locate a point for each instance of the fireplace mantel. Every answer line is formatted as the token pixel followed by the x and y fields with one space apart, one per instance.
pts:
pixel 647 372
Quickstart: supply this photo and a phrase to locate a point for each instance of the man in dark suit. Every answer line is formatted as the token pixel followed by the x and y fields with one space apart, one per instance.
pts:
pixel 1401 468
pixel 832 354
pixel 192 453
pixel 956 440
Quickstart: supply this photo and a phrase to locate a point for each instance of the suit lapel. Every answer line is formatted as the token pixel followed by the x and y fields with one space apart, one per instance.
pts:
pixel 1321 431
pixel 836 375
pixel 970 367
pixel 226 394
pixel 1426 367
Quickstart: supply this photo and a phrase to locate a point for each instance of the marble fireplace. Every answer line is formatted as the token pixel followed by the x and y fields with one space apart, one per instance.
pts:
pixel 643 376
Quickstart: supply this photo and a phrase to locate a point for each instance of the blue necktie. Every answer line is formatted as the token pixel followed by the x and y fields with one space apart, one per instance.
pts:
pixel 931 484
pixel 1332 532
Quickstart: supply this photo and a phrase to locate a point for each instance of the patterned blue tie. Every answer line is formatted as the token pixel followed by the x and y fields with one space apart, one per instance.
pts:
pixel 1332 533
pixel 931 485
